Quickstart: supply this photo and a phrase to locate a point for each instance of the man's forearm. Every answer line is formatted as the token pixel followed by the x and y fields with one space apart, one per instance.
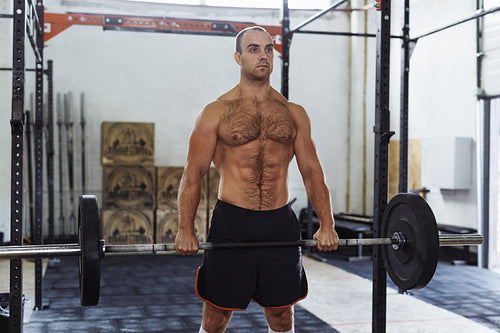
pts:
pixel 188 201
pixel 319 195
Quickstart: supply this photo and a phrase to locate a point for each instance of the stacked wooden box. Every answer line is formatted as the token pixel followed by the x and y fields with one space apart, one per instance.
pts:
pixel 129 183
pixel 139 199
pixel 167 213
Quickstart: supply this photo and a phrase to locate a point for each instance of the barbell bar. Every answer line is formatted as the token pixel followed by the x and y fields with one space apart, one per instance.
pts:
pixel 75 250
pixel 408 220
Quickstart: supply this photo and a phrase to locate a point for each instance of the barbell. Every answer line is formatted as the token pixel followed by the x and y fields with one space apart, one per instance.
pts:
pixel 410 255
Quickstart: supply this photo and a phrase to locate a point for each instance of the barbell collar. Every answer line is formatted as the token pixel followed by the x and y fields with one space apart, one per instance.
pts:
pixel 399 240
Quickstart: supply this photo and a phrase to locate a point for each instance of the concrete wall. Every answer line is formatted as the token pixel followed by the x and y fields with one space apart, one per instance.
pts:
pixel 167 79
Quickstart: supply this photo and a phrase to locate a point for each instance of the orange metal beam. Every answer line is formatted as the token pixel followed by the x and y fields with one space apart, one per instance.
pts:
pixel 56 23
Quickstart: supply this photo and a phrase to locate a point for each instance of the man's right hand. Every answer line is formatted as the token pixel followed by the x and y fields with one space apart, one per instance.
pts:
pixel 186 244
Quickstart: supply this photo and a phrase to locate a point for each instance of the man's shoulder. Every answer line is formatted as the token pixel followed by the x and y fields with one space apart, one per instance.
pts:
pixel 222 102
pixel 213 110
pixel 228 96
pixel 278 97
pixel 283 100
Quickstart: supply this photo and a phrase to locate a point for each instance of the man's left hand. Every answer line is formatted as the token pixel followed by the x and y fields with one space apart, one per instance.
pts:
pixel 327 238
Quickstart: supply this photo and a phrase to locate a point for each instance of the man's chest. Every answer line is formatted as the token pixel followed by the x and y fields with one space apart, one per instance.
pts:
pixel 246 121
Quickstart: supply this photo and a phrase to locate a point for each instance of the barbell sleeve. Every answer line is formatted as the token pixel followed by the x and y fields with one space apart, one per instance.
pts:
pixel 464 239
pixel 40 251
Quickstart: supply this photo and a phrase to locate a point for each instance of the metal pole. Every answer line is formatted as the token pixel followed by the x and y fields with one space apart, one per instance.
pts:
pixel 340 33
pixel 479 46
pixel 50 150
pixel 207 212
pixel 17 165
pixel 29 160
pixel 468 239
pixel 484 13
pixel 285 53
pixel 40 251
pixel 485 209
pixel 68 105
pixel 39 120
pixel 138 248
pixel 82 124
pixel 403 126
pixel 382 137
pixel 60 162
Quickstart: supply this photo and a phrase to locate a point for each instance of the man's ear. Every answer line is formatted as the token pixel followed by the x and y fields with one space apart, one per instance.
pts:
pixel 237 57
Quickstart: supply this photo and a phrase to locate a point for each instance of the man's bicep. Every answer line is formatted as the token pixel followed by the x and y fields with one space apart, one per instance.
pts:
pixel 307 159
pixel 201 145
pixel 201 150
pixel 304 148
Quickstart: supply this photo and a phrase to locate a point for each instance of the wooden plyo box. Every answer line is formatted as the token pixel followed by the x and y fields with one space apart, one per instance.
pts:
pixel 129 187
pixel 167 225
pixel 127 226
pixel 125 143
pixel 414 166
pixel 168 182
pixel 167 214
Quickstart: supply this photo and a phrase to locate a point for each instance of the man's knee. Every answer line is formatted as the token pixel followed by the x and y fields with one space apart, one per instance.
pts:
pixel 215 320
pixel 280 320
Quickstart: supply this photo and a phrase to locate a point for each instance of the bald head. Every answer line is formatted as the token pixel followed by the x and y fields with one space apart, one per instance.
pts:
pixel 239 36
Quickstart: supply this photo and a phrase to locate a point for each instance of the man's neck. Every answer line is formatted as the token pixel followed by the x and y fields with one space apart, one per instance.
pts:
pixel 255 89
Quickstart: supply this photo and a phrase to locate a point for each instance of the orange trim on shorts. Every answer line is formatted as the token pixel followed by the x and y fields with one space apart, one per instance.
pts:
pixel 283 306
pixel 237 309
pixel 207 301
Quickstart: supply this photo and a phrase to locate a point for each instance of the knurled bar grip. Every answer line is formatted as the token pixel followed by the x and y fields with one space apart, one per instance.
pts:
pixel 35 251
pixel 228 245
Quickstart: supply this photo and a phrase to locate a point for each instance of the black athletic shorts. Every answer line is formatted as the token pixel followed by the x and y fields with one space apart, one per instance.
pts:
pixel 273 277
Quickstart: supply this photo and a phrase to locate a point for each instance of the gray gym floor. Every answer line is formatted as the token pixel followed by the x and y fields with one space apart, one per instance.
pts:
pixel 466 290
pixel 156 294
pixel 141 294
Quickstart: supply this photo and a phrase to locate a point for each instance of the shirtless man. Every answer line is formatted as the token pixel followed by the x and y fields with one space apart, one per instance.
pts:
pixel 251 134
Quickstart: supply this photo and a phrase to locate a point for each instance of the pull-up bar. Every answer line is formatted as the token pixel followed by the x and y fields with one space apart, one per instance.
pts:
pixel 337 33
pixel 481 14
pixel 317 16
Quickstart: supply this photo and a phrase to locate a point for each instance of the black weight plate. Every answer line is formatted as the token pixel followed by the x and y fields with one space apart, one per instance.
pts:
pixel 412 266
pixel 89 262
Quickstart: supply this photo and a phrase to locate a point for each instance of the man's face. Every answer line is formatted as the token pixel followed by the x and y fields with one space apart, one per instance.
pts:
pixel 257 53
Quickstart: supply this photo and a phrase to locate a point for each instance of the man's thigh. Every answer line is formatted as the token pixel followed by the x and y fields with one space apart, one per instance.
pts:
pixel 280 319
pixel 215 319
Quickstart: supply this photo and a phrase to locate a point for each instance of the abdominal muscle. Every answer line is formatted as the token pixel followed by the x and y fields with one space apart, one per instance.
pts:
pixel 254 176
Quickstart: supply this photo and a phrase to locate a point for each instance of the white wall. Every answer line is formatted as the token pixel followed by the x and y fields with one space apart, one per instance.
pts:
pixel 318 76
pixel 168 78
pixel 443 94
pixel 362 113
pixel 442 100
